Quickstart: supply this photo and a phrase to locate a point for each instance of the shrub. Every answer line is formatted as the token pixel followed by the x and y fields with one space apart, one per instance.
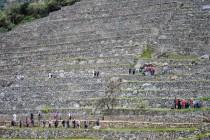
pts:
pixel 24 8
pixel 147 52
pixel 46 109
pixel 28 19
pixel 14 15
pixel 53 5
pixel 37 10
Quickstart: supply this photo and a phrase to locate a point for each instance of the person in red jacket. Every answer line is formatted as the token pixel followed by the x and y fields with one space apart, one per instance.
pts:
pixel 183 103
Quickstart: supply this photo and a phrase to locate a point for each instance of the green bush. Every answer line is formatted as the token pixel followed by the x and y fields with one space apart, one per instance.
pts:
pixel 37 10
pixel 28 19
pixel 53 5
pixel 147 52
pixel 46 109
pixel 24 8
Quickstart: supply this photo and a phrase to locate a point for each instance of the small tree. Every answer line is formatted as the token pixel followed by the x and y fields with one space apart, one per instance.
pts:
pixel 108 102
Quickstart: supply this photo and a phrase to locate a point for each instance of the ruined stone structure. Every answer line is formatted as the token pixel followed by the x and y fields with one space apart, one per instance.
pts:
pixel 49 63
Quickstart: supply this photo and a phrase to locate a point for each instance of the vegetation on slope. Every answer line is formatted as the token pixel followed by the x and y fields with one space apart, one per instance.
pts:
pixel 26 12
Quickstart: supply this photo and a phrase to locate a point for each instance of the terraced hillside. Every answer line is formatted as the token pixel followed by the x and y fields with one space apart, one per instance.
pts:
pixel 49 63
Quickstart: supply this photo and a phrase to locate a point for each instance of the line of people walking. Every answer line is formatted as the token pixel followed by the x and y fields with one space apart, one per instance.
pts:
pixel 56 122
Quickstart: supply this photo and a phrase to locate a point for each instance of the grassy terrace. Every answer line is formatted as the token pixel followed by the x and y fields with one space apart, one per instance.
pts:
pixel 89 109
pixel 165 109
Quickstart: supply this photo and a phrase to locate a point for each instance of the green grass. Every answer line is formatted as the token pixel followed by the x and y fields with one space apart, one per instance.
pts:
pixel 203 135
pixel 166 109
pixel 176 56
pixel 204 99
pixel 147 53
pixel 150 129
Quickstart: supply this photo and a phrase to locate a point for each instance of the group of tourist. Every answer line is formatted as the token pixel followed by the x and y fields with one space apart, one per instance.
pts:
pixel 149 69
pixel 184 104
pixel 146 69
pixel 55 122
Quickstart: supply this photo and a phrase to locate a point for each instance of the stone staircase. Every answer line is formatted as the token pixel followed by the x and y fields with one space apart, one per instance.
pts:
pixel 108 36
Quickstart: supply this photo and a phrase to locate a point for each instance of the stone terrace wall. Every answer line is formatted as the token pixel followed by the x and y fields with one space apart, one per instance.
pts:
pixel 101 134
